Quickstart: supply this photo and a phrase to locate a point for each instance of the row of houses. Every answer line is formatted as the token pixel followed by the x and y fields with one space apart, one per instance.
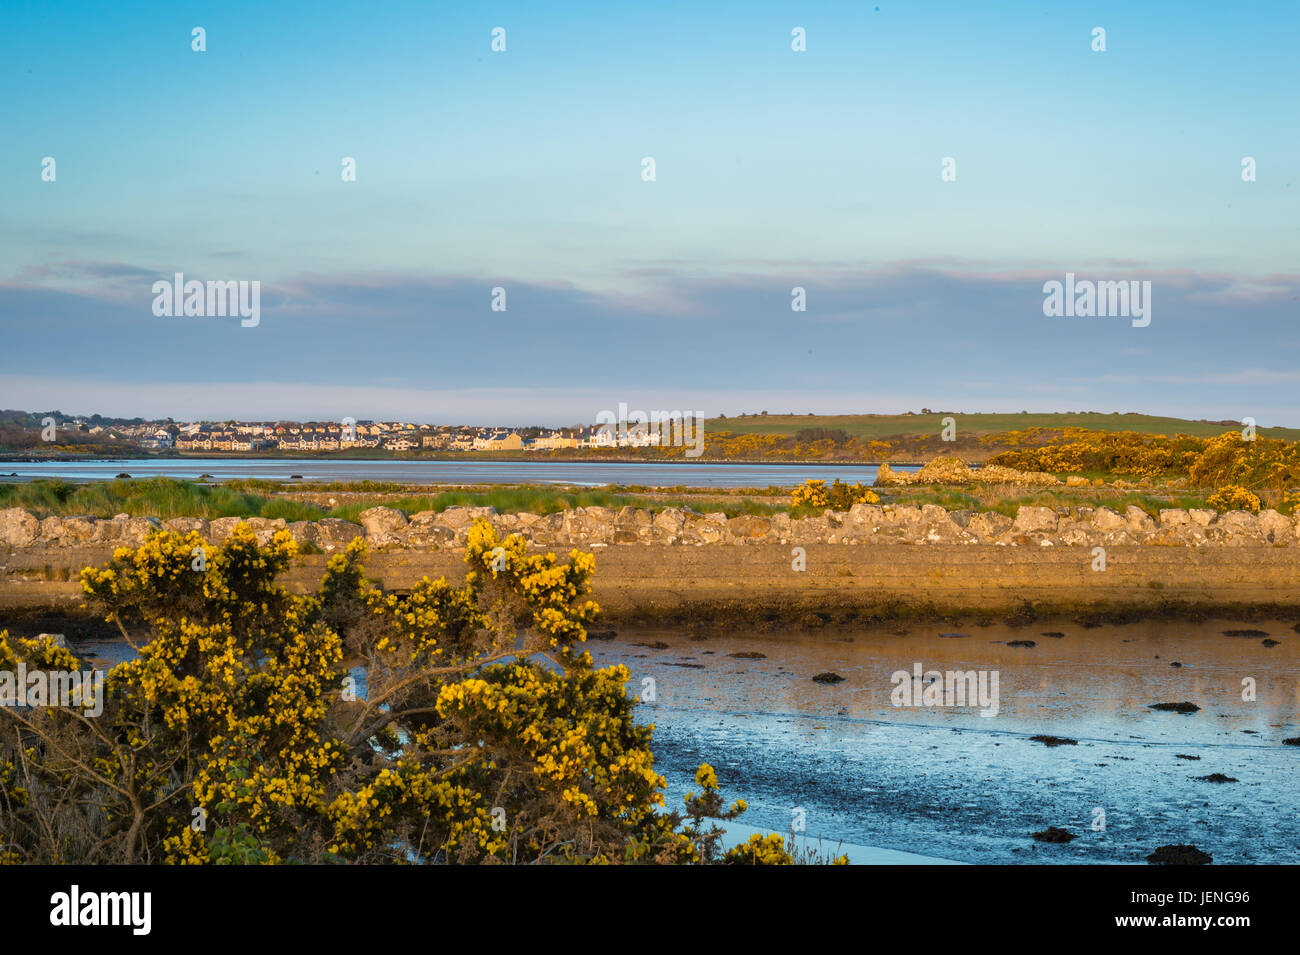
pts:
pixel 390 436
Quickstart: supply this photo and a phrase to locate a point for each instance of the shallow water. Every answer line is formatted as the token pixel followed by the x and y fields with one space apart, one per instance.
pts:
pixel 944 783
pixel 592 473
pixel 947 782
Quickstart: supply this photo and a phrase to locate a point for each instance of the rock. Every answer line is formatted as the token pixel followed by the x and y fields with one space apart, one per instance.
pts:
pixel 1245 633
pixel 748 655
pixel 1179 855
pixel 382 521
pixel 828 677
pixel 457 517
pixel 265 528
pixel 580 526
pixel 1202 516
pixel 184 525
pixel 51 529
pixel 866 515
pixel 748 527
pixel 1053 834
pixel 1183 707
pixel 332 533
pixel 137 529
pixel 951 470
pixel 304 532
pixel 888 477
pixel 17 527
pixel 1215 778
pixel 670 520
pixel 939 527
pixel 219 529
pixel 81 529
pixel 1270 643
pixel 1054 740
pixel 1139 520
pixel 1021 643
pixel 1108 520
pixel 1242 527
pixel 1075 480
pixel 1031 519
pixel 1174 517
pixel 424 529
pixel 904 518
pixel 988 526
pixel 1274 527
pixel 698 529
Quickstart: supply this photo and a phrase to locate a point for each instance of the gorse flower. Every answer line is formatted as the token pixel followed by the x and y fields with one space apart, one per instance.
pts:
pixel 442 724
pixel 838 496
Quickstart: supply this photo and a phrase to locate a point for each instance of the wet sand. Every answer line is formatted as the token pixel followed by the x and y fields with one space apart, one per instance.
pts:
pixel 948 783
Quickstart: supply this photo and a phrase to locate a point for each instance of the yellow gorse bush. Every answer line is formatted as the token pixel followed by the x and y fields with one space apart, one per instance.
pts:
pixel 444 724
pixel 838 496
pixel 1234 498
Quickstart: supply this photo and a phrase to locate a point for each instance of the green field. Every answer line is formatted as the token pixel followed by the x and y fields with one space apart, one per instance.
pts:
pixel 871 426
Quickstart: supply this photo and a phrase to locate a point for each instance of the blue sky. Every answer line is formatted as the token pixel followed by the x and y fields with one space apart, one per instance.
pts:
pixel 774 168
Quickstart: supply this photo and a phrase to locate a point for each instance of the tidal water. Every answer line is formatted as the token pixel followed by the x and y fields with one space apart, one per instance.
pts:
pixel 592 474
pixel 946 782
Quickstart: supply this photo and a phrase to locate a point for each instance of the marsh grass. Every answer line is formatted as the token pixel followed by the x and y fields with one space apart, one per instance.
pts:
pixel 166 498
pixel 163 498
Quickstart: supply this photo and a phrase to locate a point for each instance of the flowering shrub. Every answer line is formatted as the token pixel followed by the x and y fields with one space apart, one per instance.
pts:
pixel 1072 450
pixel 838 496
pixel 447 724
pixel 1261 463
pixel 1234 498
pixel 1224 460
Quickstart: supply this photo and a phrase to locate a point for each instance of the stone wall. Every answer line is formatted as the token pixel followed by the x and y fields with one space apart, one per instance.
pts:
pixel 596 527
pixel 652 567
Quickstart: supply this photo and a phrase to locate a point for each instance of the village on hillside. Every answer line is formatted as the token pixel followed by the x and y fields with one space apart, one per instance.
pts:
pixel 319 437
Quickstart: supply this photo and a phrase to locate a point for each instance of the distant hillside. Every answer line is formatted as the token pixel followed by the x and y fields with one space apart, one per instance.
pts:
pixel 871 426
